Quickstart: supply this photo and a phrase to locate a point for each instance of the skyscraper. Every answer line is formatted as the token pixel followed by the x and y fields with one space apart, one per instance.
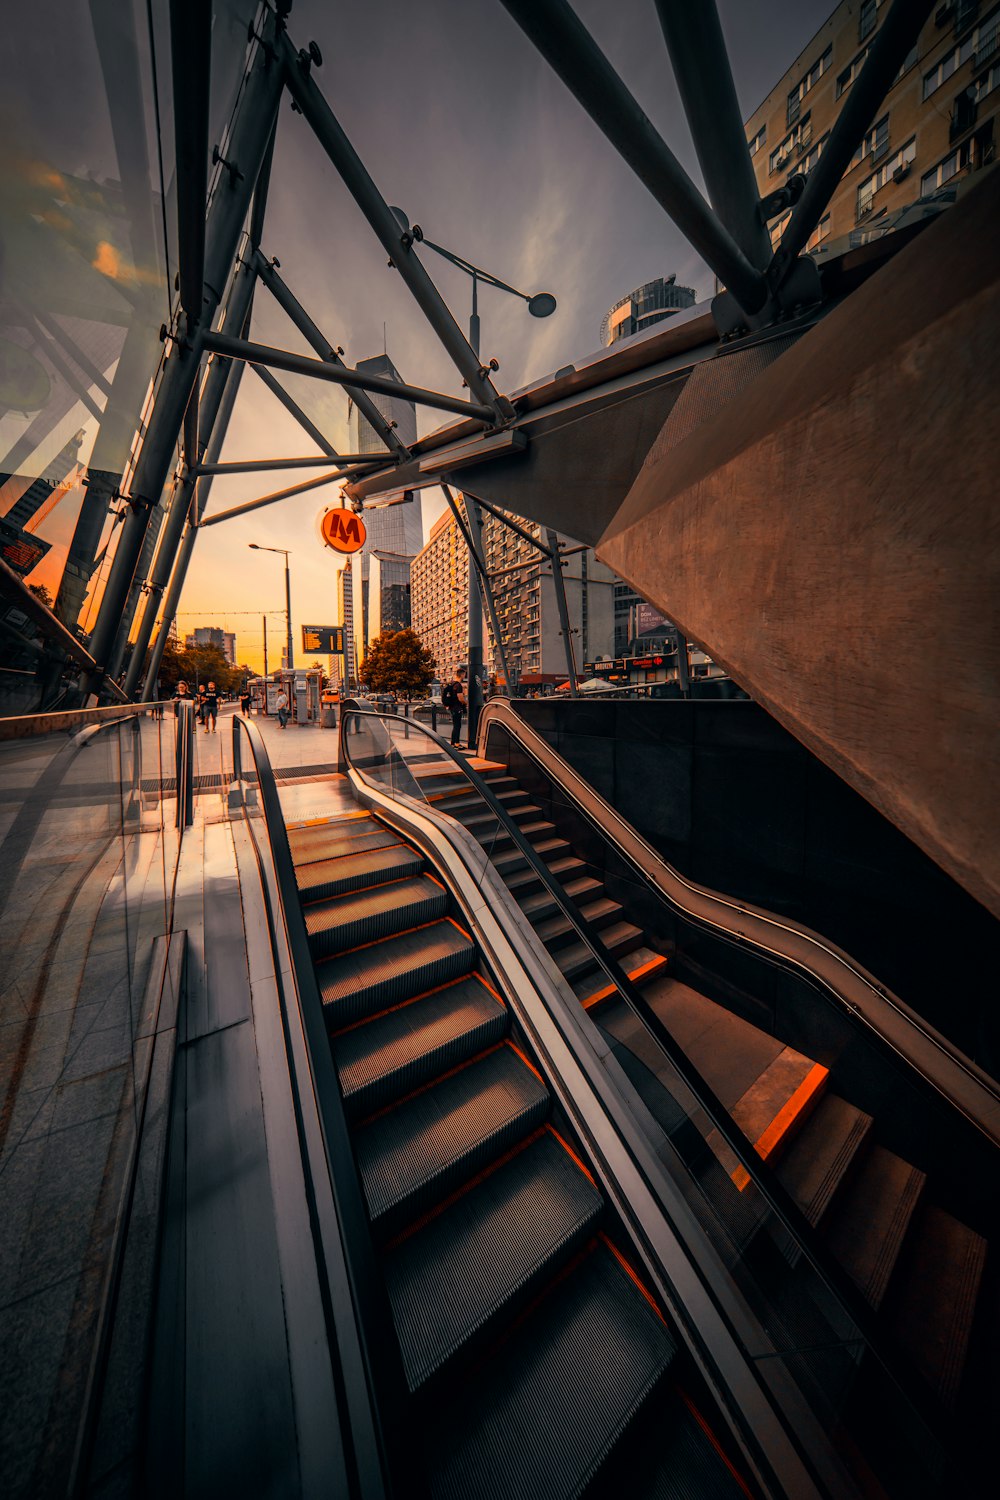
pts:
pixel 395 532
pixel 645 306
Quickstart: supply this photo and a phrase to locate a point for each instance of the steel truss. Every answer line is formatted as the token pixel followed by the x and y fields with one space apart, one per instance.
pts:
pixel 221 252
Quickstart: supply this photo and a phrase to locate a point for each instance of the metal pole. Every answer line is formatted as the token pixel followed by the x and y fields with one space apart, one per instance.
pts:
pixel 294 410
pixel 321 369
pixel 208 412
pixel 293 489
pixel 683 665
pixel 565 43
pixel 288 615
pixel 191 56
pixel 474 540
pixel 397 243
pixel 560 588
pixel 476 554
pixel 230 202
pixel 197 503
pixel 262 465
pixel 264 617
pixel 705 83
pixel 892 41
pixel 294 310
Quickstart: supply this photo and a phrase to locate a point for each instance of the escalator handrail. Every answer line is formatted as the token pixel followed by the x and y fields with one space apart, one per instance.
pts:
pixel 777 1199
pixel 372 1327
pixel 973 1092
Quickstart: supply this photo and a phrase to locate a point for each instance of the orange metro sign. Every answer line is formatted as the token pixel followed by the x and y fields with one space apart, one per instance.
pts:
pixel 342 530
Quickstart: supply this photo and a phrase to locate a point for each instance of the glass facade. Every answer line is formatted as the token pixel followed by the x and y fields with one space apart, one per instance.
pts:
pixel 646 305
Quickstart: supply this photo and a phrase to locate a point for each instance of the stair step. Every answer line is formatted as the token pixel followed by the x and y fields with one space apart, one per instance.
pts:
pixel 524 879
pixel 413 1155
pixel 370 979
pixel 331 840
pixel 340 922
pixel 352 872
pixel 642 966
pixel 822 1155
pixel 391 1054
pixel 932 1302
pixel 869 1223
pixel 488 1248
pixel 542 904
pixel 597 914
pixel 576 958
pixel 544 1412
pixel 473 804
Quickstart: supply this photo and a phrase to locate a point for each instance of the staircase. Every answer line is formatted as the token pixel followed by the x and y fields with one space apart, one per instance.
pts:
pixel 537 1361
pixel 914 1262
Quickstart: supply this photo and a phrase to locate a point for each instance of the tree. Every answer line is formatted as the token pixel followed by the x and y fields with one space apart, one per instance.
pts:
pixel 41 592
pixel 398 662
pixel 197 665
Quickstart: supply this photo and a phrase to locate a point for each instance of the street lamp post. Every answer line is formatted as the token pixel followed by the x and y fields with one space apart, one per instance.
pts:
pixel 290 660
pixel 540 305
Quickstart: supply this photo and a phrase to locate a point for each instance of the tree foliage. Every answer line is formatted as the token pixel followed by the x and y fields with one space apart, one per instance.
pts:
pixel 41 592
pixel 398 662
pixel 199 664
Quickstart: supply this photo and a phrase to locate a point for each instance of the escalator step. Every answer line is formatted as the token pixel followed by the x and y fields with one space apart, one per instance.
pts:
pixel 386 1057
pixel 369 979
pixel 341 922
pixel 870 1219
pixel 485 1250
pixel 546 1410
pixel 412 1156
pixel 353 872
pixel 331 840
pixel 669 1453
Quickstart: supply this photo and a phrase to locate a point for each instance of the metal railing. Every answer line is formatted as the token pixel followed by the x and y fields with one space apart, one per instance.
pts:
pixel 922 1412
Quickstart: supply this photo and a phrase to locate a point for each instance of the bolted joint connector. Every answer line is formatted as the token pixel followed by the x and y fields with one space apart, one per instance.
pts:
pixel 235 175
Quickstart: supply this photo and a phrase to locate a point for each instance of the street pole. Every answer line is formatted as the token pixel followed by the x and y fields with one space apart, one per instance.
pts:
pixel 288 615
pixel 264 617
pixel 475 606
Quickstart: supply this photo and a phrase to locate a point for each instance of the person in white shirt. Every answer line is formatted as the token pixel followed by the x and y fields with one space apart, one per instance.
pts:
pixel 281 704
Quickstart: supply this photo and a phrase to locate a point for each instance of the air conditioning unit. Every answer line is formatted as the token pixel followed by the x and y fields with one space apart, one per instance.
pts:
pixel 901 171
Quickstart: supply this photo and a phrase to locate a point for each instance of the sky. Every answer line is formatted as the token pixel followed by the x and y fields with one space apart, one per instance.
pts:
pixel 462 124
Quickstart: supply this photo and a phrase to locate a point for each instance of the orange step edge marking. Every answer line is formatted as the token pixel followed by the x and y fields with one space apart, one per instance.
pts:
pixel 702 1423
pixel 790 1111
pixel 642 972
pixel 633 1275
pixel 438 989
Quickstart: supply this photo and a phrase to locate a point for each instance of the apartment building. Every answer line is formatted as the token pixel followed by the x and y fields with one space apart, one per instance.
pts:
pixel 936 126
pixel 439 596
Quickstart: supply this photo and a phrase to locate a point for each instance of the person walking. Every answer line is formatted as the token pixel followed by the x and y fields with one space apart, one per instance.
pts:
pixel 453 699
pixel 211 706
pixel 281 704
pixel 245 703
pixel 181 695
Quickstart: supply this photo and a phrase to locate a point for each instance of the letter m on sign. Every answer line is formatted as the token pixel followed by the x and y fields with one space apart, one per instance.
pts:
pixel 343 530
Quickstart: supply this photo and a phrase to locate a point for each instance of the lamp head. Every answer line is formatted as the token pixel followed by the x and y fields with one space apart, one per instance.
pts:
pixel 254 545
pixel 541 305
pixel 401 219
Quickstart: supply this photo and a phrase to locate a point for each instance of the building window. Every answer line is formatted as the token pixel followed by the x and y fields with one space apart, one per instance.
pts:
pixel 812 157
pixel 777 229
pixel 875 144
pixel 758 140
pixel 867 18
pixel 971 154
pixel 896 167
pixel 847 77
pixel 980 44
pixel 797 138
pixel 809 81
pixel 819 233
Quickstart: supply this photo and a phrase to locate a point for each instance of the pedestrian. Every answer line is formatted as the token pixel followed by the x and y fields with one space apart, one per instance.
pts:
pixel 281 704
pixel 245 703
pixel 211 706
pixel 453 699
pixel 181 695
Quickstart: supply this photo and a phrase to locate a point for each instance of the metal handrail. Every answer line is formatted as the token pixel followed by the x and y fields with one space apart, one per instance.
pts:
pixel 778 1201
pixel 833 971
pixel 383 1382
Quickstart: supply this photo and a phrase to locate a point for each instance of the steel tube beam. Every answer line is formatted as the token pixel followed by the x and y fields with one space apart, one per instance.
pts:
pixel 77 383
pixel 293 408
pixel 568 47
pixel 321 369
pixel 191 56
pixel 213 395
pixel 704 78
pixel 295 489
pixel 230 202
pixel 294 310
pixel 196 504
pixel 397 244
pixel 55 329
pixel 525 536
pixel 258 465
pixel 560 588
pixel 259 205
pixel 892 42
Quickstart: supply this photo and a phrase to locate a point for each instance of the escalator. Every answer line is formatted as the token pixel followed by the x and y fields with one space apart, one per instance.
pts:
pixel 536 1359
